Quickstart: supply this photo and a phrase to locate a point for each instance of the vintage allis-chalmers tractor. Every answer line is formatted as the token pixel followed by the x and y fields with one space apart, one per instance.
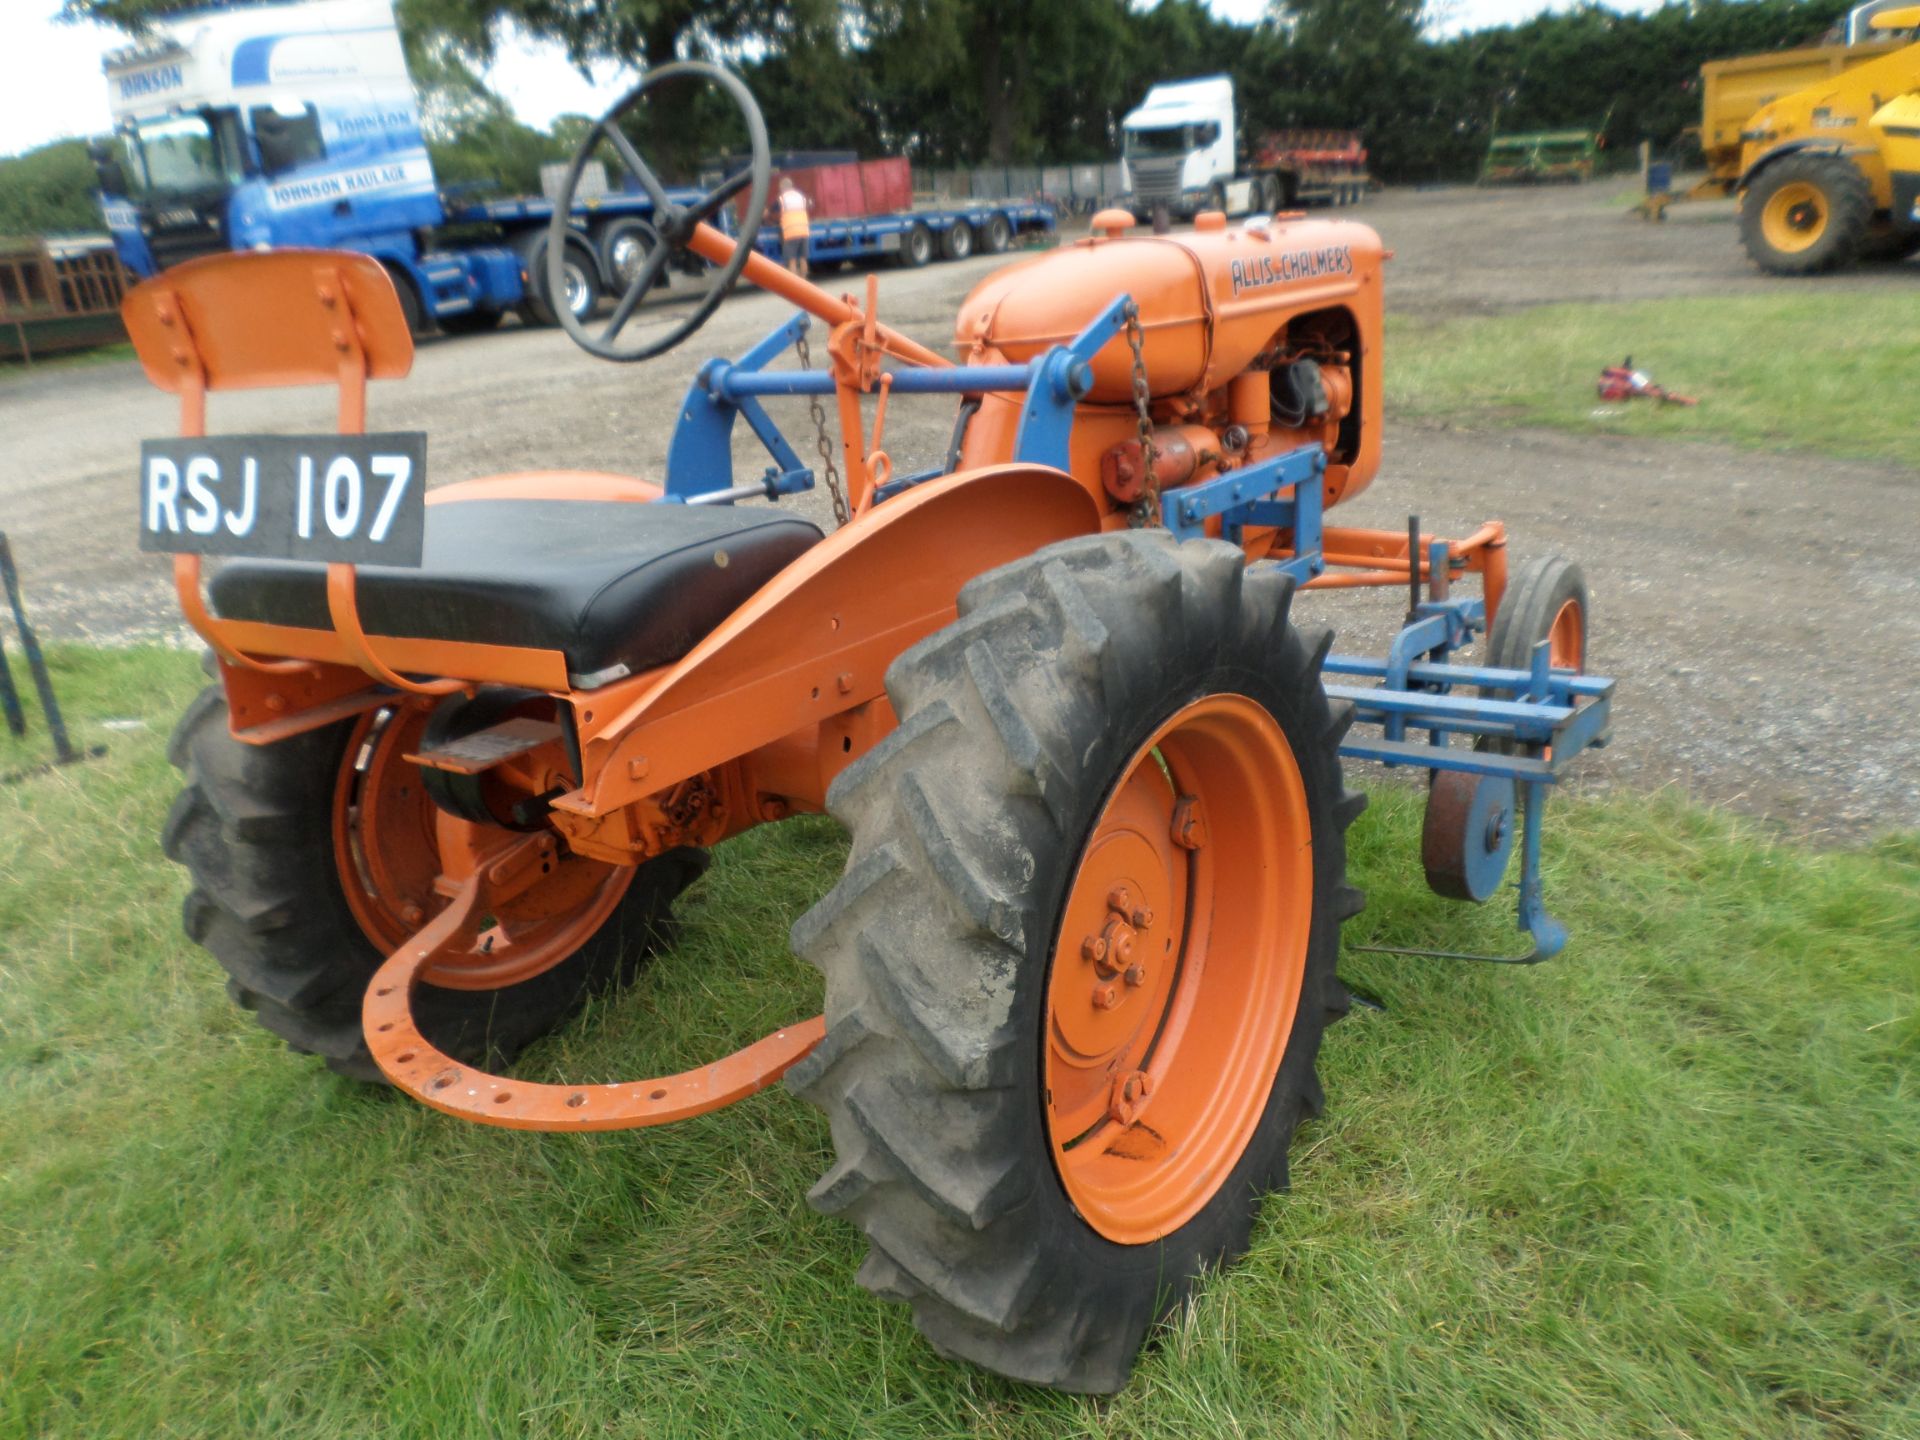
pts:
pixel 1079 965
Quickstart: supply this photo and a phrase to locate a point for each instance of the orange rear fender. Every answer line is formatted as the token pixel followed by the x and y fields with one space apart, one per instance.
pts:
pixel 816 641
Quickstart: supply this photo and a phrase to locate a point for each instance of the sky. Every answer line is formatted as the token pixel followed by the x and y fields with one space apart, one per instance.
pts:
pixel 51 87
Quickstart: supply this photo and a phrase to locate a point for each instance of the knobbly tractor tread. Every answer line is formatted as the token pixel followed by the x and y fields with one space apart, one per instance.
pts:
pixel 933 949
pixel 253 829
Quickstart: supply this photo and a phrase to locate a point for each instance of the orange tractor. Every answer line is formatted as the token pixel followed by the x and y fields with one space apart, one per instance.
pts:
pixel 467 747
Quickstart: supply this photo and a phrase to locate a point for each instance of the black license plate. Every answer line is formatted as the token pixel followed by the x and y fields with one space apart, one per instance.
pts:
pixel 354 498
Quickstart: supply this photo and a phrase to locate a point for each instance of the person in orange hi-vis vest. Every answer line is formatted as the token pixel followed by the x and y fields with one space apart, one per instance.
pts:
pixel 794 227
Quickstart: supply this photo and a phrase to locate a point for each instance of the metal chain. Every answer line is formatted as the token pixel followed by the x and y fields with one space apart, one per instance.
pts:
pixel 1146 510
pixel 824 445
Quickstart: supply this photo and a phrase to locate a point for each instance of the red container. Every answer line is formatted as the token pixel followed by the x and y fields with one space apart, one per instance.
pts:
pixel 845 192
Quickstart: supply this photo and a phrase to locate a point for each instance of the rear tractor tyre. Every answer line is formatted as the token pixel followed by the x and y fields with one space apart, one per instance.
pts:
pixel 1080 963
pixel 259 829
pixel 1806 214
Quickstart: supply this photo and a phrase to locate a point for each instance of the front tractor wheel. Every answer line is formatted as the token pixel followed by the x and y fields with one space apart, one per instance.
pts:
pixel 1806 214
pixel 314 858
pixel 1079 966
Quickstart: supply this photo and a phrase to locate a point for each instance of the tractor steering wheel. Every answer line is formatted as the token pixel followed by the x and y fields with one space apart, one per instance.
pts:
pixel 675 223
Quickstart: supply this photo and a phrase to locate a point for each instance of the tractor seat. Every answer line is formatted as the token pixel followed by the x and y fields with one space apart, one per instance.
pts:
pixel 609 584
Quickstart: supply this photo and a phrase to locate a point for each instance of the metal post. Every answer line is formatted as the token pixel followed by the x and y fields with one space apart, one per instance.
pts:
pixel 63 751
pixel 10 697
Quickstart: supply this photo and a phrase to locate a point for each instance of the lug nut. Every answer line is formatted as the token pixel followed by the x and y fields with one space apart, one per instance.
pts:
pixel 1105 997
pixel 1093 948
pixel 1136 975
pixel 1120 898
pixel 1142 919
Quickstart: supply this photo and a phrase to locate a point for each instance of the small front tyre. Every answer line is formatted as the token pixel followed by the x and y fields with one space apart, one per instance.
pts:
pixel 1079 966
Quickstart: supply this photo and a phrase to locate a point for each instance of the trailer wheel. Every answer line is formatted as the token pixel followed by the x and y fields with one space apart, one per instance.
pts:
pixel 287 913
pixel 956 242
pixel 624 246
pixel 476 321
pixel 1805 214
pixel 916 246
pixel 582 277
pixel 410 307
pixel 1079 965
pixel 996 235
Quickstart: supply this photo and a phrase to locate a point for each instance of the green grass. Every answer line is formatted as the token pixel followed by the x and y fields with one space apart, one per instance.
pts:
pixel 1664 1186
pixel 1806 367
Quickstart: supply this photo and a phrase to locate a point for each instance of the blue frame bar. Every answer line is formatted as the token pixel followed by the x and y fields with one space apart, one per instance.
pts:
pixel 1250 496
pixel 700 455
pixel 733 383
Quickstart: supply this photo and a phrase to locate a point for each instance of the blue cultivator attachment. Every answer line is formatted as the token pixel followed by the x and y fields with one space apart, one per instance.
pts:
pixel 1492 739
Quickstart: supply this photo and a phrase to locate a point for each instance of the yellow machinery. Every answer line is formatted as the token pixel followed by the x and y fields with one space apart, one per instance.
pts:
pixel 1828 172
pixel 1732 90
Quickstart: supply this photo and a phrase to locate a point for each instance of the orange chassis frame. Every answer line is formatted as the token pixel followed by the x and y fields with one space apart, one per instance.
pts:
pixel 759 716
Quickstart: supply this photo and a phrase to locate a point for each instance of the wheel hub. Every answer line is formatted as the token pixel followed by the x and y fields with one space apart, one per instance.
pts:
pixel 1177 968
pixel 396 850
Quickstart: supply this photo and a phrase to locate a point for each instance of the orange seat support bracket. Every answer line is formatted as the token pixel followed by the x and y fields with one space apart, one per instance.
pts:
pixel 434 1078
pixel 290 352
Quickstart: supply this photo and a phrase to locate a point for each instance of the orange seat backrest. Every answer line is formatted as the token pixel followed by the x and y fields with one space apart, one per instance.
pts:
pixel 266 318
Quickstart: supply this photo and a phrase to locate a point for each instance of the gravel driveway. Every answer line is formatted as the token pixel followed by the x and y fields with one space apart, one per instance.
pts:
pixel 1761 611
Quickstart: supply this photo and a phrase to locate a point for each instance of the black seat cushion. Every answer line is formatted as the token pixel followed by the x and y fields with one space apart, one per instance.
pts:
pixel 608 583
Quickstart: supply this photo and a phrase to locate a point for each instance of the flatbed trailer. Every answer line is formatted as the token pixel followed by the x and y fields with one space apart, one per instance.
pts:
pixel 1313 167
pixel 915 237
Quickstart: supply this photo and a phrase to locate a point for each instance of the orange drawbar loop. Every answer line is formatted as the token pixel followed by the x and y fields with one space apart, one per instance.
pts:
pixel 412 1063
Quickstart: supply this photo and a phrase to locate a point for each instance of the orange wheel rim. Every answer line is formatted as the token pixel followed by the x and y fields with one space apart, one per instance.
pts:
pixel 1794 217
pixel 1567 637
pixel 391 842
pixel 1177 969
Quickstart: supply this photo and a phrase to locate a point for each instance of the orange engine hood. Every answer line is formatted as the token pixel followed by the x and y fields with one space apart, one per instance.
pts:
pixel 1210 301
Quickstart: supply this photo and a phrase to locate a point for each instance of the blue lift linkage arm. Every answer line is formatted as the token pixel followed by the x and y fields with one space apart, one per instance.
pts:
pixel 1552 717
pixel 700 455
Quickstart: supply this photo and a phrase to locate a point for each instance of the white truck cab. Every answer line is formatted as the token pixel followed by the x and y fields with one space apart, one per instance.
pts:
pixel 1180 147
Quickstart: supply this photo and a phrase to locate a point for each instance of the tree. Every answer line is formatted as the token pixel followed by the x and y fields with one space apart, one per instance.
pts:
pixel 48 191
pixel 1015 81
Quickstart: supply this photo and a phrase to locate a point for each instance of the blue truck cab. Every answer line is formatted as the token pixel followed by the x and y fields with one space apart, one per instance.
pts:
pixel 263 126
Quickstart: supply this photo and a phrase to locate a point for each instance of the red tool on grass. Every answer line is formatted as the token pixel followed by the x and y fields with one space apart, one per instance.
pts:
pixel 1623 382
